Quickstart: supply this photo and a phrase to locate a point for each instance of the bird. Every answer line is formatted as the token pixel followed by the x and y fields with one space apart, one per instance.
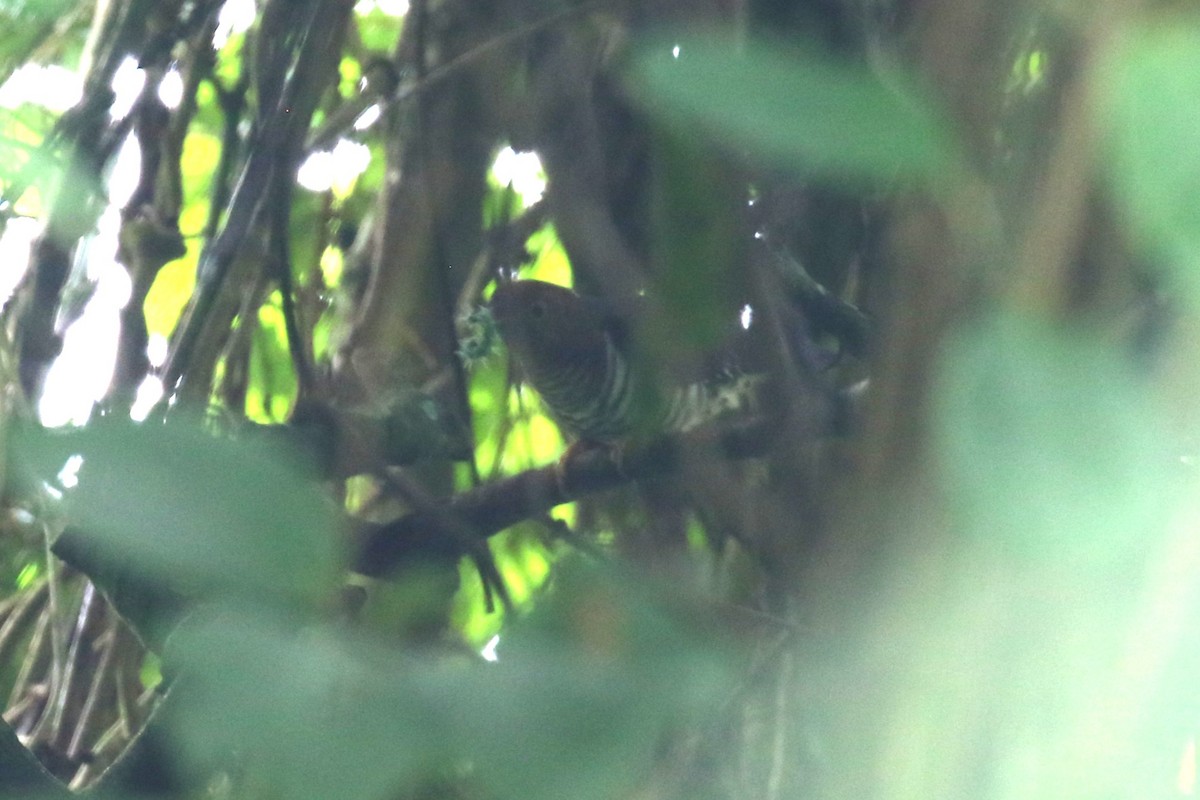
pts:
pixel 576 354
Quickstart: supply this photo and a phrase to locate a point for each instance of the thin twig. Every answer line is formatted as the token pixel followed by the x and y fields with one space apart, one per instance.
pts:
pixel 420 499
pixel 75 666
pixel 54 608
pixel 244 208
pixel 23 608
pixel 35 655
pixel 99 693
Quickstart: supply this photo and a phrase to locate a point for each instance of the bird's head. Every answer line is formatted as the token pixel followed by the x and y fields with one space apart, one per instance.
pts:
pixel 545 324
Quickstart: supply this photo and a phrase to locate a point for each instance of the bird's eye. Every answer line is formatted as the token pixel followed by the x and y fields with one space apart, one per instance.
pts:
pixel 537 310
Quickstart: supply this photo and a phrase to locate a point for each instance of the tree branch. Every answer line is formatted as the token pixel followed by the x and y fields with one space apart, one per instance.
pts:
pixel 380 548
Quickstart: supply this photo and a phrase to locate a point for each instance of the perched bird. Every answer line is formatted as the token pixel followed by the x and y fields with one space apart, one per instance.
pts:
pixel 576 355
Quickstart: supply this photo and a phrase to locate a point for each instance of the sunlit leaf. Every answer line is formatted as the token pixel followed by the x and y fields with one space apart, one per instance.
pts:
pixel 804 111
pixel 174 283
pixel 201 154
pixel 333 264
pixel 169 294
pixel 379 30
pixel 349 75
pixel 535 439
pixel 550 262
pixel 486 388
pixel 28 574
pixel 229 60
pixel 524 563
pixel 272 386
pixel 523 559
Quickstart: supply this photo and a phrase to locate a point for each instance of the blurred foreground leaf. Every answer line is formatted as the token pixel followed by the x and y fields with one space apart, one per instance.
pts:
pixel 1047 441
pixel 1150 96
pixel 171 508
pixel 697 222
pixel 582 694
pixel 804 111
pixel 26 25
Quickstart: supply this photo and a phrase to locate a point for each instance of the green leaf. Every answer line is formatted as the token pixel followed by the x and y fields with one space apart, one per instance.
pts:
pixel 310 713
pixel 177 509
pixel 26 25
pixel 21 775
pixel 1048 444
pixel 379 31
pixel 585 689
pixel 1149 96
pixel 273 384
pixel 591 683
pixel 804 111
